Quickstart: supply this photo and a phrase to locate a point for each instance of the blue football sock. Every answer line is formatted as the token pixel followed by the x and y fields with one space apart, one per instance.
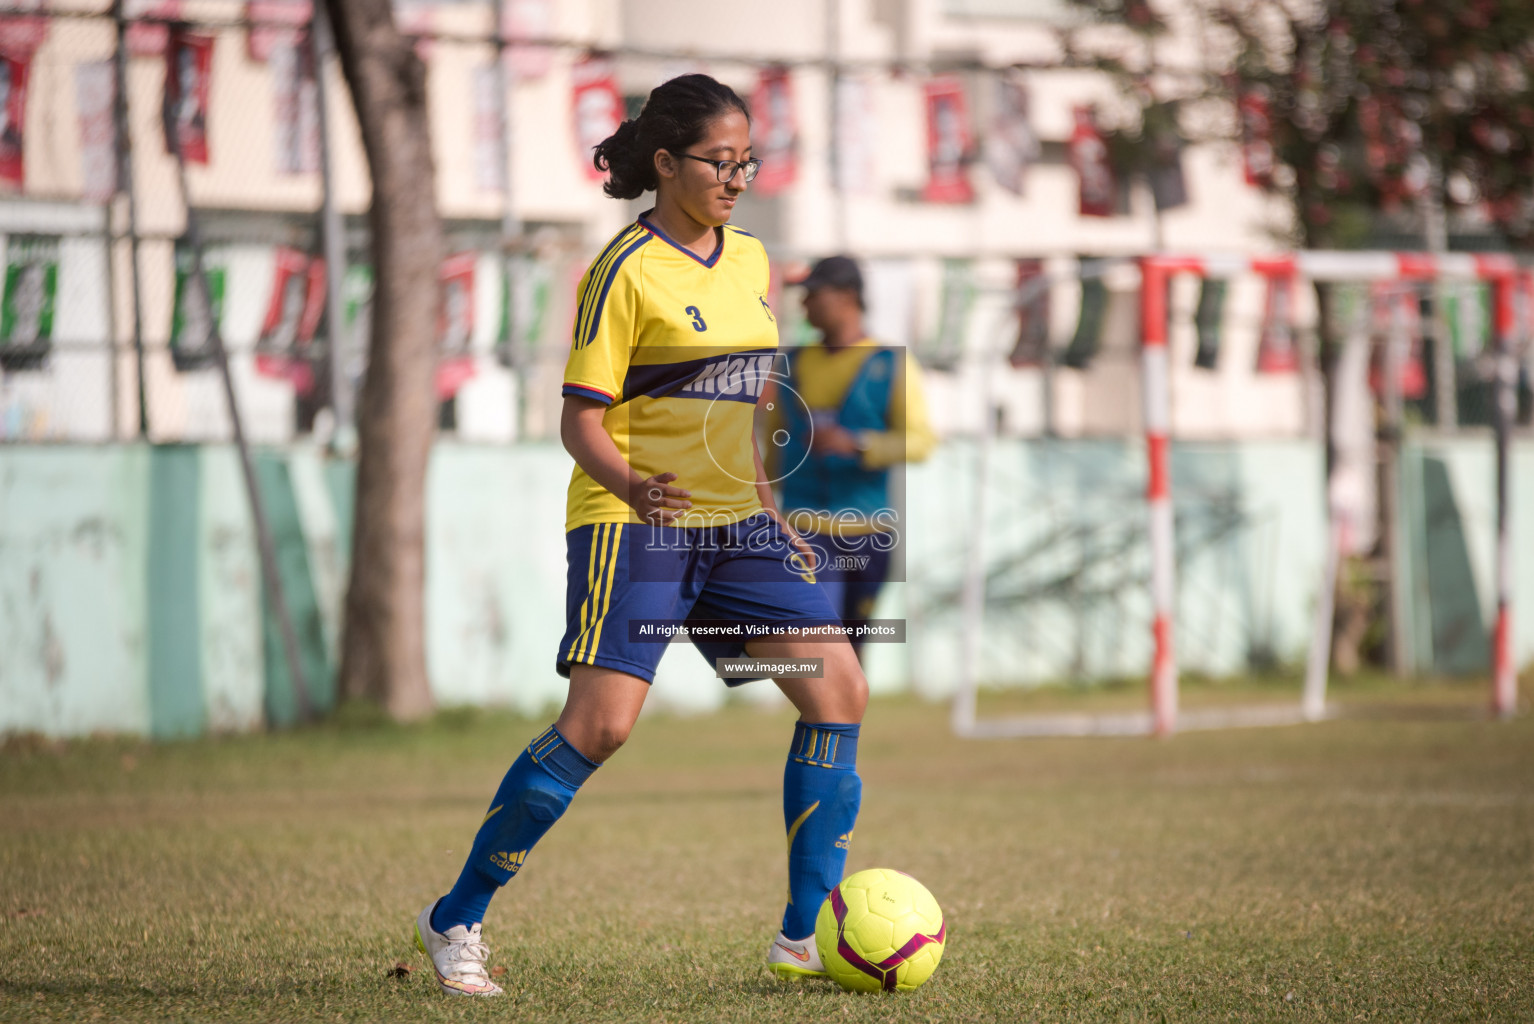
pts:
pixel 821 794
pixel 536 790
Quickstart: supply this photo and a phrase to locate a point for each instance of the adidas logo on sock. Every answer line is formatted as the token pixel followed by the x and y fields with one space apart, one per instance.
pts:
pixel 845 842
pixel 509 861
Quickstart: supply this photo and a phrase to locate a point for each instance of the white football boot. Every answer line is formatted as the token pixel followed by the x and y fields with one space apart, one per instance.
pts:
pixel 458 956
pixel 792 959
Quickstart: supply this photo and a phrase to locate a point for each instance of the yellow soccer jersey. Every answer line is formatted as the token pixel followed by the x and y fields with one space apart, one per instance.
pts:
pixel 679 348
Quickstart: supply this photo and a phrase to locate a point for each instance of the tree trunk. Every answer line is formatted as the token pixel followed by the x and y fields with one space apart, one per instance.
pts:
pixel 383 648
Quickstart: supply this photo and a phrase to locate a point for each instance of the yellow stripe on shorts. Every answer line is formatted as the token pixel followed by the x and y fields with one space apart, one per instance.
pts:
pixel 609 564
pixel 591 585
pixel 612 571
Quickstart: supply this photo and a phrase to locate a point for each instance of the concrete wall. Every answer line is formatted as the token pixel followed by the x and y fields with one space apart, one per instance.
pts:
pixel 131 597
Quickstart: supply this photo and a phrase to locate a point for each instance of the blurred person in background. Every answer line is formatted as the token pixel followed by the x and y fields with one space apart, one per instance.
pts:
pixel 848 411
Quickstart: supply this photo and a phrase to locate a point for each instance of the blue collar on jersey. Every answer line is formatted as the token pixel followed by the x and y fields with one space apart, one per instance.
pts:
pixel 658 233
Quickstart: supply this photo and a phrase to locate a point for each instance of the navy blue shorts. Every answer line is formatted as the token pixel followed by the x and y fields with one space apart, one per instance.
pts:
pixel 626 581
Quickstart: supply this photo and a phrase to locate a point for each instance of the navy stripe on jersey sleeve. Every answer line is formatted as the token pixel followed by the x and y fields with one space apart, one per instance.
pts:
pixel 586 391
pixel 594 318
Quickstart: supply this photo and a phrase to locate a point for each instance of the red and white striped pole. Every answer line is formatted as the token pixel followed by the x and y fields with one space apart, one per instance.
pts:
pixel 1504 674
pixel 1154 277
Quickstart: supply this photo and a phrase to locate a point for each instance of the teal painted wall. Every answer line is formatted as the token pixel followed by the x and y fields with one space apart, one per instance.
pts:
pixel 1068 561
pixel 131 597
pixel 1448 490
pixel 495 575
pixel 230 624
pixel 73 611
pixel 177 705
pixel 275 475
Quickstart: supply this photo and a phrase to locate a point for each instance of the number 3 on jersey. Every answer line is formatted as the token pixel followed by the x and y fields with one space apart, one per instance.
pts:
pixel 697 318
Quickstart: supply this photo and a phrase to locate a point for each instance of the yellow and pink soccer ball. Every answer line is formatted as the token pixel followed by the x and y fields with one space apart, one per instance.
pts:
pixel 880 931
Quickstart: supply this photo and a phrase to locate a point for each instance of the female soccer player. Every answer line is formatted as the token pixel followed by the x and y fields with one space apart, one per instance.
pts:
pixel 670 518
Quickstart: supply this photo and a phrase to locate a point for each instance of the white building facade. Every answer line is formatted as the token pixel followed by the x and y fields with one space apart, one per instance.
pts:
pixel 941 275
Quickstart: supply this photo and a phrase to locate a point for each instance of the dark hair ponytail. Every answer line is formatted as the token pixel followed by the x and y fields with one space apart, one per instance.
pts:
pixel 674 117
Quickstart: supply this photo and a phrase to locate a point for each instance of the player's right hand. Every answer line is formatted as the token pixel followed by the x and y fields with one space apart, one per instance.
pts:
pixel 658 502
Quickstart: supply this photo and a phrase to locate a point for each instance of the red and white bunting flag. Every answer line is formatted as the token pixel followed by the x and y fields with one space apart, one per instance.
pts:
pixel 1032 304
pixel 1012 146
pixel 948 142
pixel 292 318
pixel 1389 300
pixel 456 329
pixel 775 136
pixel 95 89
pixel 275 23
pixel 1256 137
pixel 1276 348
pixel 21 32
pixel 523 20
pixel 488 173
pixel 188 76
pixel 14 73
pixel 150 38
pixel 856 130
pixel 295 105
pixel 597 106
pixel 1089 157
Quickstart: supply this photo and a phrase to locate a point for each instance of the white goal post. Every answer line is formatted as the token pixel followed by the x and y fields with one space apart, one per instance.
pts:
pixel 1163 717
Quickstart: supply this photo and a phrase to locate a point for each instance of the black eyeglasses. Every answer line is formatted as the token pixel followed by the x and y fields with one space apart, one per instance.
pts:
pixel 727 169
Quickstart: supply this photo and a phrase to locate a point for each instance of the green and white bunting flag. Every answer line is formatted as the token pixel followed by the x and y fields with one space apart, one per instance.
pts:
pixel 957 301
pixel 528 303
pixel 1211 310
pixel 26 313
pixel 1468 312
pixel 1032 304
pixel 357 303
pixel 357 297
pixel 1089 325
pixel 192 321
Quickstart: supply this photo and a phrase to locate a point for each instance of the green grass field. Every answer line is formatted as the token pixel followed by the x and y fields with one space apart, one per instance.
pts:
pixel 1374 869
